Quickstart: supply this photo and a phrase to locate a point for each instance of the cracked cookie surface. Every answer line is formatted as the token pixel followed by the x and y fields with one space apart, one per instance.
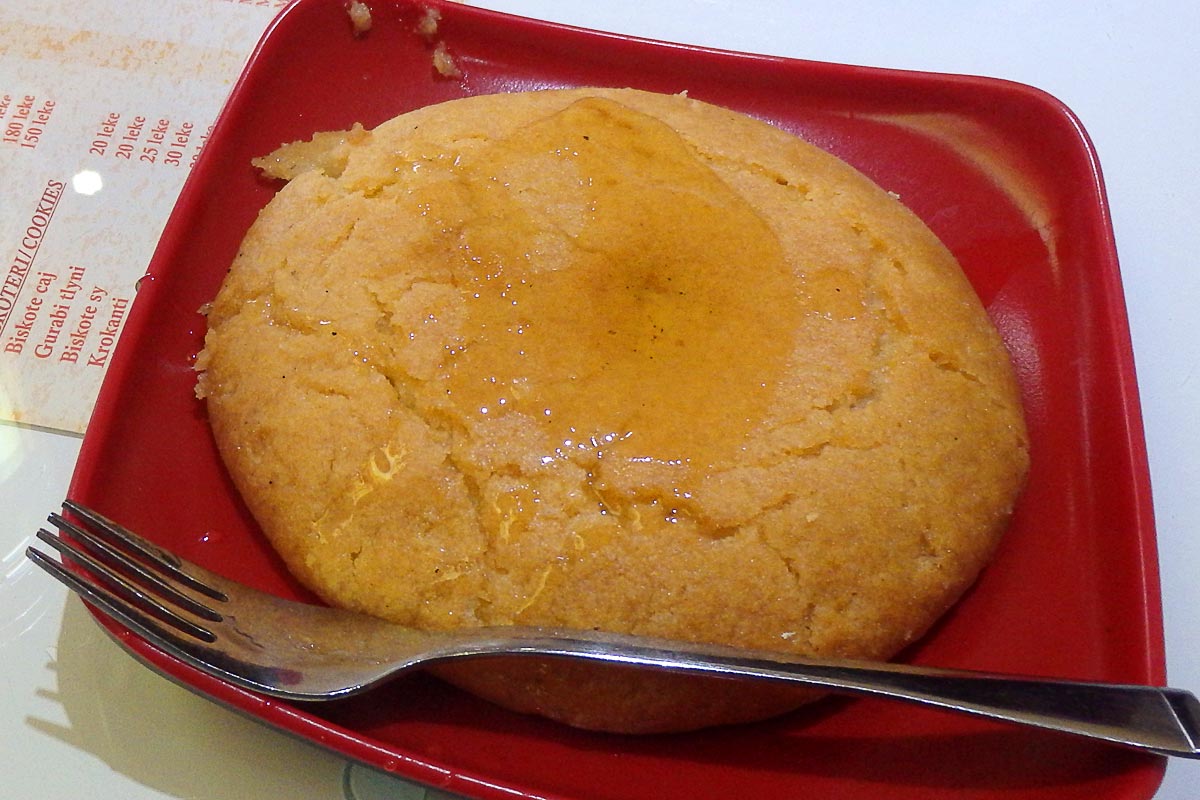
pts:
pixel 605 358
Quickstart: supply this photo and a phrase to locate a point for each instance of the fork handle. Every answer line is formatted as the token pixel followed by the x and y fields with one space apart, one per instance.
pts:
pixel 1161 720
pixel 1164 721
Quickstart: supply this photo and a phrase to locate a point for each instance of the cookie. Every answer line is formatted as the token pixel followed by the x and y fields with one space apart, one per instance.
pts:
pixel 609 359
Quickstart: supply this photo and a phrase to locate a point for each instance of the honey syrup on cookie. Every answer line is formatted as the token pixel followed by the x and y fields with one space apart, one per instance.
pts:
pixel 620 296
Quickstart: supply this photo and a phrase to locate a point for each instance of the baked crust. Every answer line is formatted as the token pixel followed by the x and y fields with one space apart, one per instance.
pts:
pixel 611 359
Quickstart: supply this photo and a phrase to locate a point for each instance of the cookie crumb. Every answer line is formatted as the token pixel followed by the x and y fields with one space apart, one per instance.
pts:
pixel 428 26
pixel 444 63
pixel 360 16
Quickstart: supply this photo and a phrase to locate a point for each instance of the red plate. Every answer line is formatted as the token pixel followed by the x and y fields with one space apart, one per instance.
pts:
pixel 1003 173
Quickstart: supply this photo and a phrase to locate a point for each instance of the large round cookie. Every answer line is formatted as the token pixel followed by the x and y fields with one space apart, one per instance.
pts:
pixel 611 359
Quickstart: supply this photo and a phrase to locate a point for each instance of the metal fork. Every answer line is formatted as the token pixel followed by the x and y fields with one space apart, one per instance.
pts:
pixel 299 651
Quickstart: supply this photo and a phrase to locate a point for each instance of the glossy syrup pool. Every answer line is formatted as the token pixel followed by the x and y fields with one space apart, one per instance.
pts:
pixel 644 340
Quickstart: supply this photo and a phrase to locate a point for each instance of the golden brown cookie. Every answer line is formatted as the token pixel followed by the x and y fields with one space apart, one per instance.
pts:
pixel 611 359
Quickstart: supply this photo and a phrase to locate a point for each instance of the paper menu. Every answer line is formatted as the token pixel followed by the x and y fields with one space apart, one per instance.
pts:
pixel 104 106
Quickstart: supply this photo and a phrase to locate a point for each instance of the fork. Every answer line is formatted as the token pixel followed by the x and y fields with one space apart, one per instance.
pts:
pixel 304 652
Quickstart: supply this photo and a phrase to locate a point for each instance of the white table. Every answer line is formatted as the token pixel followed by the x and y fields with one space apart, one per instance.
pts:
pixel 79 718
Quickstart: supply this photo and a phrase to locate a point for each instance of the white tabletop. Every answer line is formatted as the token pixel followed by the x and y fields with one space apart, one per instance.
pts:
pixel 78 717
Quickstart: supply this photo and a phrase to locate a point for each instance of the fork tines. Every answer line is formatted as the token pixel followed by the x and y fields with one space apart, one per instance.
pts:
pixel 125 575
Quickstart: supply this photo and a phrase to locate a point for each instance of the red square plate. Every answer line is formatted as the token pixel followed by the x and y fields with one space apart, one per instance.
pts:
pixel 1003 173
